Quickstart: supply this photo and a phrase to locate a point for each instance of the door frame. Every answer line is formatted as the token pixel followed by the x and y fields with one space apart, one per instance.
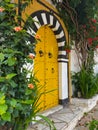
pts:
pixel 42 17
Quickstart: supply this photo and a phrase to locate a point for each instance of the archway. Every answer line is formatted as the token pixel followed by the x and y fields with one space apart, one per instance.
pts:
pixel 42 18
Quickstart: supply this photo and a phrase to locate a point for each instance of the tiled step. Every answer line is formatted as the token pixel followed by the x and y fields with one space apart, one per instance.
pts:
pixel 66 118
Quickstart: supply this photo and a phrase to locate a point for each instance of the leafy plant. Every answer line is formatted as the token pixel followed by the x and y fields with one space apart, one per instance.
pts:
pixel 93 125
pixel 80 17
pixel 86 83
pixel 19 92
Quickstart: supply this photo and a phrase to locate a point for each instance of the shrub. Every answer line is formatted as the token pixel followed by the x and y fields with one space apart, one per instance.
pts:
pixel 18 90
pixel 86 83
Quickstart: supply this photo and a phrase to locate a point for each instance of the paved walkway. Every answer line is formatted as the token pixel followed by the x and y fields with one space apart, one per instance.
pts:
pixel 83 123
pixel 66 118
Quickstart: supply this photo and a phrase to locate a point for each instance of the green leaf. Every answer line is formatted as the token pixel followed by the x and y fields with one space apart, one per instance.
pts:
pixel 3 109
pixel 11 52
pixel 19 106
pixel 16 114
pixel 13 84
pixel 28 92
pixel 12 93
pixel 27 101
pixel 2 79
pixel 13 102
pixel 7 1
pixel 10 76
pixel 2 98
pixel 11 61
pixel 1 57
pixel 6 116
pixel 11 109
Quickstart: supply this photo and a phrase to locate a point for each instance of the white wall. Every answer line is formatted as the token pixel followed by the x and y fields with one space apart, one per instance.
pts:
pixel 75 64
pixel 96 61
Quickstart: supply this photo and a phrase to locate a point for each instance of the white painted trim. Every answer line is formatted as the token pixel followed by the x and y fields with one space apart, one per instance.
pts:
pixel 51 20
pixel 62 52
pixel 37 22
pixel 66 60
pixel 61 44
pixel 44 18
pixel 60 35
pixel 63 80
pixel 31 31
pixel 56 27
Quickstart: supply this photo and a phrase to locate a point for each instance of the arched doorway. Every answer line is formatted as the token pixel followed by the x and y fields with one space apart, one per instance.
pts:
pixel 46 67
pixel 44 18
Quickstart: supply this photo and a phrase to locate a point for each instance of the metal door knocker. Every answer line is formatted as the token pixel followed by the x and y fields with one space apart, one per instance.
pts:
pixel 41 53
pixel 50 55
pixel 53 70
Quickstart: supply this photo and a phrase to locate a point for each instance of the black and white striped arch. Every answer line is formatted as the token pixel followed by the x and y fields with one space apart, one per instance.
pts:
pixel 46 18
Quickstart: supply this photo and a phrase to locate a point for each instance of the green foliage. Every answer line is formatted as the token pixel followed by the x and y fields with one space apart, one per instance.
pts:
pixel 86 83
pixel 93 125
pixel 3 106
pixel 17 101
pixel 79 11
pixel 18 87
pixel 80 18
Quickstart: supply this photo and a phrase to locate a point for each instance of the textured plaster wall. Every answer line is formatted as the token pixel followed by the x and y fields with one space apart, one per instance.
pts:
pixel 96 62
pixel 75 64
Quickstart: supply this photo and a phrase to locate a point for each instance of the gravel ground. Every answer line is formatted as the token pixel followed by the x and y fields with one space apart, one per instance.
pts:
pixel 83 123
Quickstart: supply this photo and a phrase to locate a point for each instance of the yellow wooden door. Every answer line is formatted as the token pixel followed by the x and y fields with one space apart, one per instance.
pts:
pixel 46 67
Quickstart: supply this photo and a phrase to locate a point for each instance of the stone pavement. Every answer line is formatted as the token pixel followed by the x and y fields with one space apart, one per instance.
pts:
pixel 83 123
pixel 67 118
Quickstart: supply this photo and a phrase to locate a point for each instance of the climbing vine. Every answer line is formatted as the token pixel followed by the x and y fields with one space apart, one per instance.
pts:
pixel 80 18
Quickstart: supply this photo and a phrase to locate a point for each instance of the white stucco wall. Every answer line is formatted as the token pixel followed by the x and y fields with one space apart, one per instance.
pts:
pixel 96 62
pixel 75 64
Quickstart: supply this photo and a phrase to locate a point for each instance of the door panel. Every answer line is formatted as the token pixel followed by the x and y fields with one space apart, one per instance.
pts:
pixel 46 67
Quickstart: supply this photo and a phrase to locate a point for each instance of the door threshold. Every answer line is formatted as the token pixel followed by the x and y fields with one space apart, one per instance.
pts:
pixel 51 110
